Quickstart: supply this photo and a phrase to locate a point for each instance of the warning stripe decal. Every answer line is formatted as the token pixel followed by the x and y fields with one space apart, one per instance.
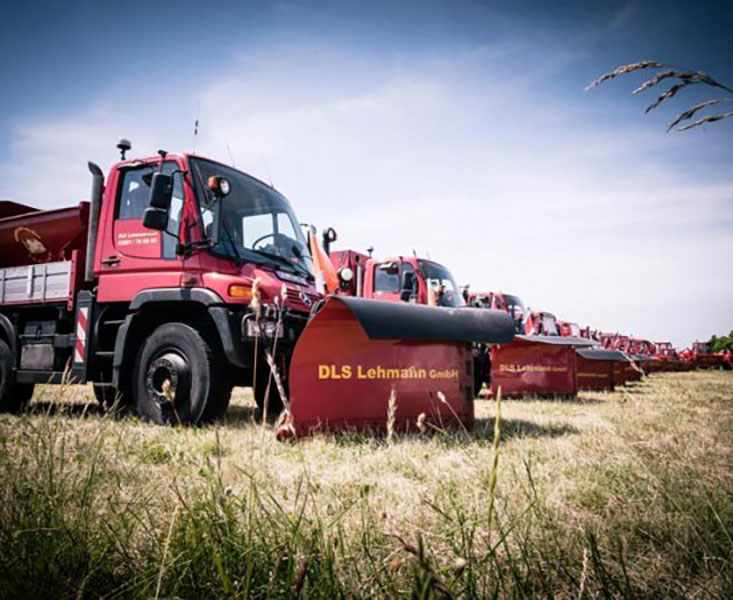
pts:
pixel 81 334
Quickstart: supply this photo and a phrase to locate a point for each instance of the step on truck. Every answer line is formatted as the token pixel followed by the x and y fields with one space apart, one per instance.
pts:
pixel 183 277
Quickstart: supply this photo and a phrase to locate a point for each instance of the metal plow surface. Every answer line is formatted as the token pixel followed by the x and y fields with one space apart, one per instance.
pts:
pixel 536 365
pixel 356 353
pixel 595 368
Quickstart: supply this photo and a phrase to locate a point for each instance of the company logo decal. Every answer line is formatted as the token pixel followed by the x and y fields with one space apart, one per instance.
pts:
pixel 137 239
pixel 381 372
pixel 306 299
pixel 531 369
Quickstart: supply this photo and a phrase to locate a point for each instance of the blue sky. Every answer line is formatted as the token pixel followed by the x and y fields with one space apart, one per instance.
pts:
pixel 458 129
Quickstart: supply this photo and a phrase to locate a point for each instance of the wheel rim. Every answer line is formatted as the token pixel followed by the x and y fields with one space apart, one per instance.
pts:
pixel 168 384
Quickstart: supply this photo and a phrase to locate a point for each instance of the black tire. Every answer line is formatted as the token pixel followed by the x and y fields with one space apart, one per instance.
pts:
pixel 478 383
pixel 24 393
pixel 13 396
pixel 109 397
pixel 274 401
pixel 181 355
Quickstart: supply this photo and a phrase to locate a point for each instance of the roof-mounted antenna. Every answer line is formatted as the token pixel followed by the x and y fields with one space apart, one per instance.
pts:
pixel 231 157
pixel 124 146
pixel 196 127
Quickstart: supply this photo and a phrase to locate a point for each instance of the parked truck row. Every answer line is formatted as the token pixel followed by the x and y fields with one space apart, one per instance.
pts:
pixel 182 278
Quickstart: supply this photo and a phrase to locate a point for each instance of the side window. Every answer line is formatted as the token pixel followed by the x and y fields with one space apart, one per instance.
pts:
pixel 409 281
pixel 284 225
pixel 134 198
pixel 387 278
pixel 174 216
pixel 134 193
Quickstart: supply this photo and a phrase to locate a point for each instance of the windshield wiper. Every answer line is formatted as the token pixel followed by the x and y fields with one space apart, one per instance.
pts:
pixel 284 261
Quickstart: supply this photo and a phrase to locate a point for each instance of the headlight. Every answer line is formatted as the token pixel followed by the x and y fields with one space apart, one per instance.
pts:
pixel 346 274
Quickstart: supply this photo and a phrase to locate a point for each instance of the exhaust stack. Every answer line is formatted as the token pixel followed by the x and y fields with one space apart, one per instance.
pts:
pixel 96 203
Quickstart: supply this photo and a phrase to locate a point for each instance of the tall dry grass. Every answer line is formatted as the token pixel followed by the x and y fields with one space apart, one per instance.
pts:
pixel 681 78
pixel 613 495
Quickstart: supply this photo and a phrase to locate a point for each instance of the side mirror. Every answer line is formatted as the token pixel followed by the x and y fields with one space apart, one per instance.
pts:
pixel 408 286
pixel 219 185
pixel 161 191
pixel 155 218
pixel 330 235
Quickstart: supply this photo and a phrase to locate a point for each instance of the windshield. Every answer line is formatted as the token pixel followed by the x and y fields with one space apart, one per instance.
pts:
pixel 439 278
pixel 514 307
pixel 549 326
pixel 256 222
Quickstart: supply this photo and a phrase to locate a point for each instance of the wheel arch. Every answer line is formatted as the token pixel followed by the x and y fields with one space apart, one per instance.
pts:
pixel 8 333
pixel 152 308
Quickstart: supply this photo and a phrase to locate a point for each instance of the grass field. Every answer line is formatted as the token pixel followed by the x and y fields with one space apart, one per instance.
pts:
pixel 611 495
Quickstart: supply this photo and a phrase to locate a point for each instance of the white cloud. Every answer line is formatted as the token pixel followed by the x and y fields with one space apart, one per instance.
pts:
pixel 447 157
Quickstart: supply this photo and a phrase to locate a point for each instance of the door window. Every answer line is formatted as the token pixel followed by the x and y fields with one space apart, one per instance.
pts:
pixel 134 198
pixel 387 278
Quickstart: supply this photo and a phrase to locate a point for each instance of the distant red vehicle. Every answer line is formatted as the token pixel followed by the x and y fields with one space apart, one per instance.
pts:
pixel 701 356
pixel 670 357
pixel 539 361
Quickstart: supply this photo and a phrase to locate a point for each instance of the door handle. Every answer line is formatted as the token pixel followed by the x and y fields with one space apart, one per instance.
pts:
pixel 111 261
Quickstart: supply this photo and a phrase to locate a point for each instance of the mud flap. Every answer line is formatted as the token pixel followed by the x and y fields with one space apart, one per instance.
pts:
pixel 356 352
pixel 536 365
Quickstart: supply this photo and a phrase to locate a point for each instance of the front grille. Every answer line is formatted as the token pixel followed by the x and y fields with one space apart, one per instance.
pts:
pixel 296 301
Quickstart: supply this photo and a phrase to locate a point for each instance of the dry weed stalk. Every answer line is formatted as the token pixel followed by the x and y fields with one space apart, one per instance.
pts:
pixel 685 77
pixel 434 582
pixel 391 415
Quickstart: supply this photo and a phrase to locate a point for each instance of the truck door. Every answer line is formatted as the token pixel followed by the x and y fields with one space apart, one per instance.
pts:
pixel 395 280
pixel 131 251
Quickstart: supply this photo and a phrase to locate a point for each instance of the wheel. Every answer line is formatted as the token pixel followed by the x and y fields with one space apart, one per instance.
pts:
pixel 24 392
pixel 478 383
pixel 274 401
pixel 109 397
pixel 13 396
pixel 176 376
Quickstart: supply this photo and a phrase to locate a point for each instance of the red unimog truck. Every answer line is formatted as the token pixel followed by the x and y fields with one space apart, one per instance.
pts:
pixel 183 277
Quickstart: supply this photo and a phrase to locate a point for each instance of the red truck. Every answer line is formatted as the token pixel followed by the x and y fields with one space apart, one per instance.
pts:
pixel 701 356
pixel 412 280
pixel 150 282
pixel 182 278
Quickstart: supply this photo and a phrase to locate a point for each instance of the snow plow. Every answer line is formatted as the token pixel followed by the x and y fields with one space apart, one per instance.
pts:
pixel 418 282
pixel 182 278
pixel 539 361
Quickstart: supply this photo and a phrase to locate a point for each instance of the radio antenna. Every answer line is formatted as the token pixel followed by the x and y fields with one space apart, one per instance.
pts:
pixel 262 157
pixel 231 157
pixel 196 127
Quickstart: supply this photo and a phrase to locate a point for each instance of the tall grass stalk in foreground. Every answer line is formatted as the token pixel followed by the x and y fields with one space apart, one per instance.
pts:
pixel 681 78
pixel 633 500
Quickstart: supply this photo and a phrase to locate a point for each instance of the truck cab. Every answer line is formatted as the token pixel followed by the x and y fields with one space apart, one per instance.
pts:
pixel 163 291
pixel 398 279
pixel 508 303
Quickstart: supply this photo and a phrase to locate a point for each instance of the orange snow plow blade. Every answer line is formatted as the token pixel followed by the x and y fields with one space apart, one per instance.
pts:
pixel 356 353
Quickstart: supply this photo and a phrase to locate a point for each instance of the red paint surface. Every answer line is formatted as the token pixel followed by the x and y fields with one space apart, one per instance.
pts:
pixel 330 390
pixel 530 368
pixel 594 375
pixel 43 236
